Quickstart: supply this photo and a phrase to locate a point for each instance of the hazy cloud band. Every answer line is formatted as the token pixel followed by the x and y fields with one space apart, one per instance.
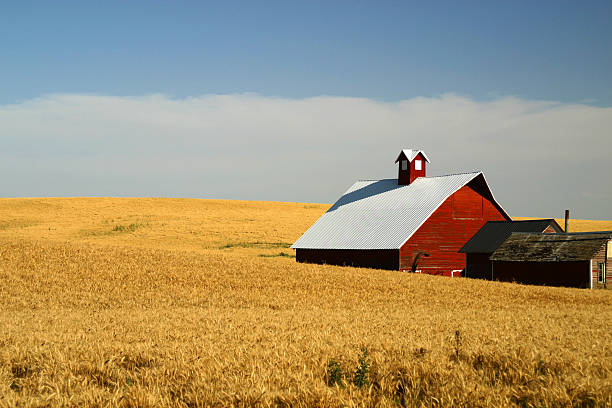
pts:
pixel 540 157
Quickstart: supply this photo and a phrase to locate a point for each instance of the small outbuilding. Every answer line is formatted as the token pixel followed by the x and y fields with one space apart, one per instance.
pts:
pixel 414 222
pixel 574 260
pixel 480 247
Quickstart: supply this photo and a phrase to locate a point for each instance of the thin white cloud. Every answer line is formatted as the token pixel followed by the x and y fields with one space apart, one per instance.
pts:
pixel 540 157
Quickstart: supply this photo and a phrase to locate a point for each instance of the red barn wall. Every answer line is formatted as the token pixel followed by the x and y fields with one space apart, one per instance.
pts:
pixel 447 230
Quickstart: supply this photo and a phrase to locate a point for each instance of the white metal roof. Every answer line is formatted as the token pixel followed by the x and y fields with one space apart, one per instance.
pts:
pixel 380 214
pixel 411 154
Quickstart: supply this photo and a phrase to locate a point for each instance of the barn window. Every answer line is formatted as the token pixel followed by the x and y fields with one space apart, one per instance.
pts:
pixel 404 164
pixel 601 272
pixel 417 165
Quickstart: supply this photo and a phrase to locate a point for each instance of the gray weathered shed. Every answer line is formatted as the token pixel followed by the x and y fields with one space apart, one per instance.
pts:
pixel 576 259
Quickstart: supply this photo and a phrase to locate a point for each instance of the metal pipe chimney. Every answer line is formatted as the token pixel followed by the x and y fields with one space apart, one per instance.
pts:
pixel 566 221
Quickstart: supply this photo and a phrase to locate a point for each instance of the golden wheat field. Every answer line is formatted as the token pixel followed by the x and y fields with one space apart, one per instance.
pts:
pixel 179 302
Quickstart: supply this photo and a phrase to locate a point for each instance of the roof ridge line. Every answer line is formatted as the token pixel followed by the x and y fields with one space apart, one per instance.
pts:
pixel 430 177
pixel 534 220
pixel 564 233
pixel 588 233
pixel 457 174
pixel 583 237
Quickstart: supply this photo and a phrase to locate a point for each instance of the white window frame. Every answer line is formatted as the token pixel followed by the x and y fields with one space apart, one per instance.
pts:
pixel 417 165
pixel 601 273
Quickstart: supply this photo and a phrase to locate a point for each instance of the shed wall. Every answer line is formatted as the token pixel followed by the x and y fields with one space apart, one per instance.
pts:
pixel 365 258
pixel 569 274
pixel 447 230
pixel 609 263
pixel 477 266
pixel 600 257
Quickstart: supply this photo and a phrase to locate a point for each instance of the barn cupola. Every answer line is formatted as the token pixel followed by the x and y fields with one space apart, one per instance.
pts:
pixel 411 165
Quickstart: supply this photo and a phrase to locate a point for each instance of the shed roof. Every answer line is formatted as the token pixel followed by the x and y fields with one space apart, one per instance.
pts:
pixel 537 247
pixel 380 214
pixel 411 154
pixel 494 233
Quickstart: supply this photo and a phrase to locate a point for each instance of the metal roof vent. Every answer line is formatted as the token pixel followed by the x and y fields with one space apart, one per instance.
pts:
pixel 412 163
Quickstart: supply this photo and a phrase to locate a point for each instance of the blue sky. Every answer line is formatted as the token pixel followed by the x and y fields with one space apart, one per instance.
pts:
pixel 294 101
pixel 556 50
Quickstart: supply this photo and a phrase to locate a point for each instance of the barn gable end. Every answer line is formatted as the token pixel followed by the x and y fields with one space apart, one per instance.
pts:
pixel 439 239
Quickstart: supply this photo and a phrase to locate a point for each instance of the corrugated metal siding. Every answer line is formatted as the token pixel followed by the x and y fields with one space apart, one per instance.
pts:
pixel 380 214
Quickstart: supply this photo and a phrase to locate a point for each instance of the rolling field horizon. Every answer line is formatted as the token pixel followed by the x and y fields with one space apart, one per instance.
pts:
pixel 192 302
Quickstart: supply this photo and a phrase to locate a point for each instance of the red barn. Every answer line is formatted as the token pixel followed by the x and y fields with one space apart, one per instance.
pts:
pixel 413 222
